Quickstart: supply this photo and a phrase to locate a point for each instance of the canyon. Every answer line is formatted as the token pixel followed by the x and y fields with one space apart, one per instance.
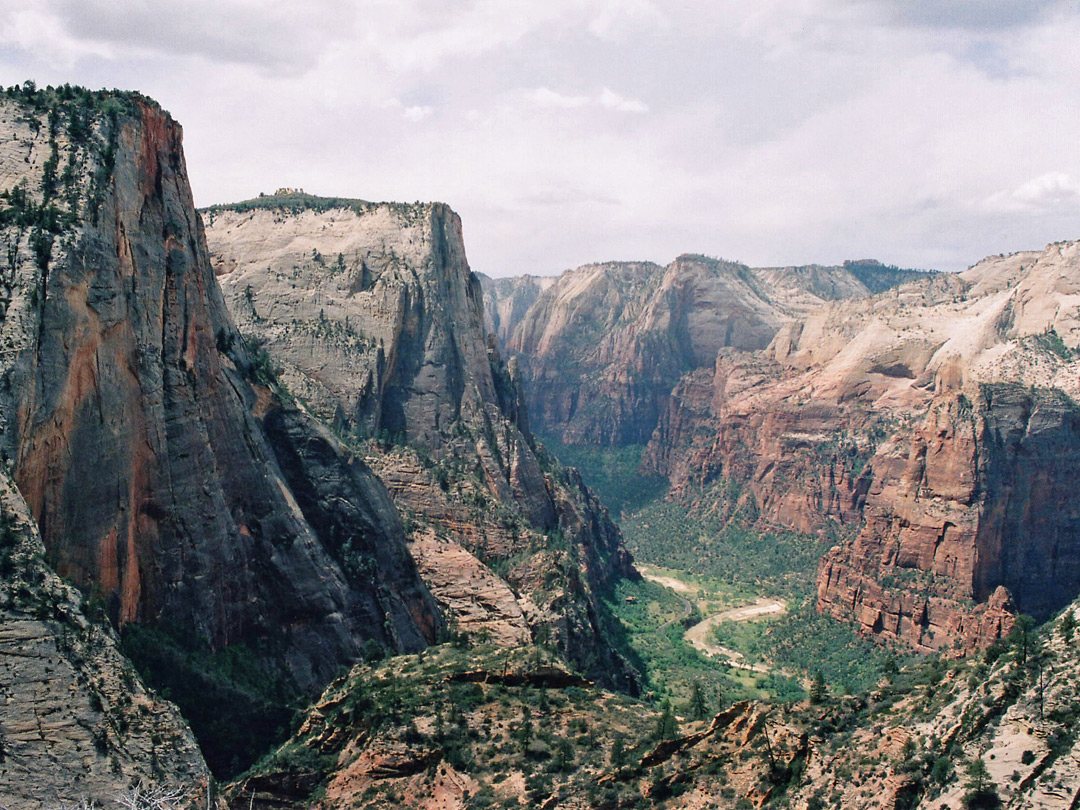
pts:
pixel 927 418
pixel 279 527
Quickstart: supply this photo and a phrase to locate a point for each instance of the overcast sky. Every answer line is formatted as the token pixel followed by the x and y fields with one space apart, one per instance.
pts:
pixel 924 133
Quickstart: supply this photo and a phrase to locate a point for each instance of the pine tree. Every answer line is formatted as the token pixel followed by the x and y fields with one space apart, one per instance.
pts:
pixel 1067 626
pixel 697 707
pixel 618 753
pixel 667 727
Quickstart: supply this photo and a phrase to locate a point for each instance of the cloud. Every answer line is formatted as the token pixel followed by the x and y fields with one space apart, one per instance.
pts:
pixel 613 101
pixel 972 15
pixel 780 131
pixel 281 37
pixel 546 97
pixel 414 113
pixel 417 113
pixel 34 31
pixel 1052 191
pixel 606 98
pixel 616 18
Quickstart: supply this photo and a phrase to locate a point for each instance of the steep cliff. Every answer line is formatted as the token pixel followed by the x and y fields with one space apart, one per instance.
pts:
pixel 77 722
pixel 373 317
pixel 602 347
pixel 507 300
pixel 917 412
pixel 162 469
pixel 968 520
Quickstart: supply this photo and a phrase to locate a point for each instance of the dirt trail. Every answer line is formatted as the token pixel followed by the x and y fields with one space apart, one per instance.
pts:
pixel 668 582
pixel 698 635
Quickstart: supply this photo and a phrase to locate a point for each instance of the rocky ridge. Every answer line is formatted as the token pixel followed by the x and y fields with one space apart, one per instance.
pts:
pixel 1000 729
pixel 507 300
pixel 602 346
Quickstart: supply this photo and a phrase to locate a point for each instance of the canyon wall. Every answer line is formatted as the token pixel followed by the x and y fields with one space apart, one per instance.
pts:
pixel 603 346
pixel 813 431
pixel 78 723
pixel 137 422
pixel 371 315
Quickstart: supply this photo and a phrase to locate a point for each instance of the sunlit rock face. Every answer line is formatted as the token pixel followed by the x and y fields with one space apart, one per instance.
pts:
pixel 371 315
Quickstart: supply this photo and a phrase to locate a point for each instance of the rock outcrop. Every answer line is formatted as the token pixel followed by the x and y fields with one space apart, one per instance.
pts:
pixel 968 520
pixel 811 391
pixel 908 743
pixel 77 723
pixel 372 316
pixel 161 465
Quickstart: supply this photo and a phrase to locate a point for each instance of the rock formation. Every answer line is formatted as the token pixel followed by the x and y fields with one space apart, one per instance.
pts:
pixel 77 723
pixel 162 467
pixel 929 422
pixel 602 347
pixel 379 737
pixel 507 300
pixel 372 316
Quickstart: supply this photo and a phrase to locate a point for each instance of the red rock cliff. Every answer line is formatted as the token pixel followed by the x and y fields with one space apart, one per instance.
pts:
pixel 140 441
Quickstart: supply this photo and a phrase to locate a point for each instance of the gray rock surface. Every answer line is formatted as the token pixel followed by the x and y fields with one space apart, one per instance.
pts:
pixel 75 720
pixel 135 415
pixel 371 314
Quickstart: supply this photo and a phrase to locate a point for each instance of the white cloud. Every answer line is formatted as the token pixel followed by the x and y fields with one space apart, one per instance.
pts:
pixel 546 97
pixel 606 98
pixel 413 113
pixel 1048 192
pixel 37 31
pixel 613 101
pixel 778 131
pixel 417 113
pixel 615 18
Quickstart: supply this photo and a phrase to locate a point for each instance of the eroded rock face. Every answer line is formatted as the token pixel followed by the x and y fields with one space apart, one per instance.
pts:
pixel 968 520
pixel 815 431
pixel 603 346
pixel 508 300
pixel 140 441
pixel 373 316
pixel 77 722
pixel 935 416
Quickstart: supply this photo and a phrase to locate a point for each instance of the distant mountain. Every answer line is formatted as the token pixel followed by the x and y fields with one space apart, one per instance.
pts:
pixel 602 346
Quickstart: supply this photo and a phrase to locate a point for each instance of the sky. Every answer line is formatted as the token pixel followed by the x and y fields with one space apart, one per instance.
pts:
pixel 923 133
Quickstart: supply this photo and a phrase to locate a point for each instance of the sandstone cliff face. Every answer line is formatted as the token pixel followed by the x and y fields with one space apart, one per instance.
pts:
pixel 373 316
pixel 922 411
pixel 139 440
pixel 507 300
pixel 77 723
pixel 968 519
pixel 602 347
